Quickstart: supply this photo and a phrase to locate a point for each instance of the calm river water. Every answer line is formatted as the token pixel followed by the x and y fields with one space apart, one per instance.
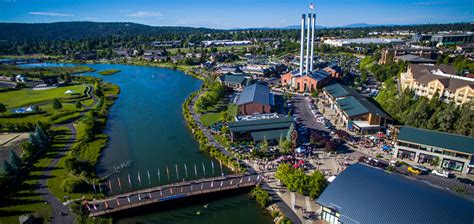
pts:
pixel 146 126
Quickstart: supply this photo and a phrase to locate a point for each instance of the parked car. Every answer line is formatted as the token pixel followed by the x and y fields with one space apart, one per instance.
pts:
pixel 421 168
pixel 465 180
pixel 441 173
pixel 414 170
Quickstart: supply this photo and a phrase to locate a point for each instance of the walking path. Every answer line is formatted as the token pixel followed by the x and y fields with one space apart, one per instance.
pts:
pixel 61 213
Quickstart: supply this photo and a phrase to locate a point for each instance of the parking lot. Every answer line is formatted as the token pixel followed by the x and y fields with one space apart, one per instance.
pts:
pixel 305 117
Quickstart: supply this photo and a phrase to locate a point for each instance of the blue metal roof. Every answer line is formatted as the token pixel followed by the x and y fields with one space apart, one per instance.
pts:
pixel 363 194
pixel 256 93
pixel 319 75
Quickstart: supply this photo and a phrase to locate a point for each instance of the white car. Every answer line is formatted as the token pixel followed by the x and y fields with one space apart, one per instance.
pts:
pixel 441 173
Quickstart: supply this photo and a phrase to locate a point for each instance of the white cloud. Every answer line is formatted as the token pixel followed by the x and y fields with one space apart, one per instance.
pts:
pixel 50 14
pixel 90 18
pixel 145 14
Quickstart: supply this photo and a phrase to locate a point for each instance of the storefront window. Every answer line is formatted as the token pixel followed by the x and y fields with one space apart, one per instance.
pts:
pixel 452 165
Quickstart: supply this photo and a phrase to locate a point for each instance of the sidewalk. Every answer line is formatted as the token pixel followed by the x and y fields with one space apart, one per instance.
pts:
pixel 295 202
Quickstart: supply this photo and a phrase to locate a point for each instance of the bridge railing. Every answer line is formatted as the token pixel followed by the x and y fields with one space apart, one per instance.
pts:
pixel 165 193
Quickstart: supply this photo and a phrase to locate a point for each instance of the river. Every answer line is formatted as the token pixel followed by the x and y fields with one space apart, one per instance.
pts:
pixel 146 126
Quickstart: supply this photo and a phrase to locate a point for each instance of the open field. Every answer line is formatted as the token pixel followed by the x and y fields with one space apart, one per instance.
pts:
pixel 27 97
pixel 210 118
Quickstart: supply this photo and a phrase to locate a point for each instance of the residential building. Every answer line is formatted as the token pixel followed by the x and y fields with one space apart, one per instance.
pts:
pixel 307 82
pixel 255 99
pixel 427 80
pixel 236 82
pixel 271 129
pixel 363 194
pixel 354 111
pixel 453 152
pixel 390 54
pixel 166 43
pixel 85 56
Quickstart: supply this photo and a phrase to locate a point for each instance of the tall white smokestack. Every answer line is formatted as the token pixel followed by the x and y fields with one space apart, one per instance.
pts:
pixel 303 19
pixel 307 43
pixel 313 24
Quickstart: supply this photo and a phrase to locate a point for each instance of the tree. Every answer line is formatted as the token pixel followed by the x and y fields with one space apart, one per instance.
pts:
pixel 8 168
pixel 465 123
pixel 14 160
pixel 3 108
pixel 264 146
pixel 78 105
pixel 56 104
pixel 28 149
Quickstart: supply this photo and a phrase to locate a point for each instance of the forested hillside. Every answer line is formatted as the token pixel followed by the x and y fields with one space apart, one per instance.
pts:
pixel 82 30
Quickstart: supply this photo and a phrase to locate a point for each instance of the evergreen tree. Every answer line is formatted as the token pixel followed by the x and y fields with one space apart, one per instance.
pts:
pixel 14 160
pixel 8 168
pixel 56 104
pixel 3 108
pixel 41 134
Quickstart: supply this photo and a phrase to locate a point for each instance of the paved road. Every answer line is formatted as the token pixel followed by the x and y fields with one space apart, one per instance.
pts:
pixel 48 196
pixel 169 192
pixel 304 116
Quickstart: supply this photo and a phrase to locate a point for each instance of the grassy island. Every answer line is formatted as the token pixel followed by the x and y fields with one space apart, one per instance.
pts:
pixel 109 72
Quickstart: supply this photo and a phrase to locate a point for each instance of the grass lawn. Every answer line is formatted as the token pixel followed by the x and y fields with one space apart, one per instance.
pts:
pixel 210 118
pixel 59 173
pixel 43 98
pixel 221 140
pixel 25 97
pixel 109 72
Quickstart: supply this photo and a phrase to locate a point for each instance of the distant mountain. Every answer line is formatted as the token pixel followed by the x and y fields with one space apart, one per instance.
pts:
pixel 85 30
pixel 299 27
pixel 359 25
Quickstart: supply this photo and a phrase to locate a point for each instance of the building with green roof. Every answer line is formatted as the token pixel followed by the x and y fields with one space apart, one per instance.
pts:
pixel 356 112
pixel 234 81
pixel 257 130
pixel 450 151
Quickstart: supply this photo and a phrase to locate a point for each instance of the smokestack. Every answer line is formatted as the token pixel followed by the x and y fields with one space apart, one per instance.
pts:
pixel 307 43
pixel 303 20
pixel 313 25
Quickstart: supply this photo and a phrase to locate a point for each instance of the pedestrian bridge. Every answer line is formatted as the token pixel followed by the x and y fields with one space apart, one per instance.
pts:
pixel 170 192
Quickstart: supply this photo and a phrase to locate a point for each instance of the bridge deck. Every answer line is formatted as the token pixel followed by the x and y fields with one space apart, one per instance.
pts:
pixel 169 192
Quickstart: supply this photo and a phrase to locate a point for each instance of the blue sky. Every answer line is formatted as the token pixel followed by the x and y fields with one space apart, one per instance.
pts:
pixel 237 13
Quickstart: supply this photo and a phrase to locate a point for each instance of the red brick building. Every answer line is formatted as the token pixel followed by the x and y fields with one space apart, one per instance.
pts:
pixel 306 83
pixel 255 99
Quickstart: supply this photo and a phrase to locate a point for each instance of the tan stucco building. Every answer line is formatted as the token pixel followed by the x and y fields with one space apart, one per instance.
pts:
pixel 426 80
